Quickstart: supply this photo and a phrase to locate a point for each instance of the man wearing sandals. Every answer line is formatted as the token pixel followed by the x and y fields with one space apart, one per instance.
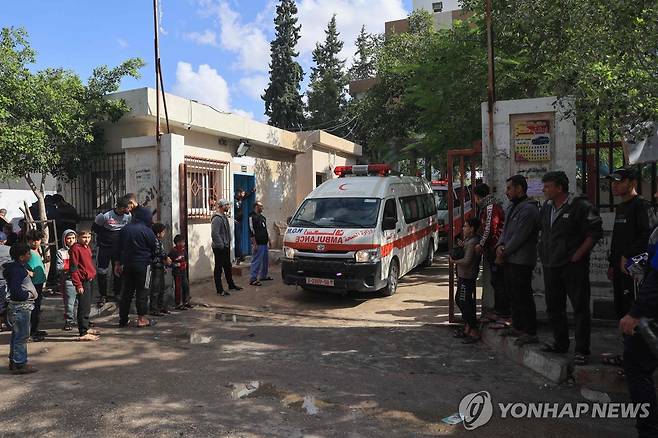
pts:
pixel 260 242
pixel 570 227
pixel 517 250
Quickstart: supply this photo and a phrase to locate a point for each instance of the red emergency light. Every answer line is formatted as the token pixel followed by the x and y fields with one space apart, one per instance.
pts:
pixel 363 169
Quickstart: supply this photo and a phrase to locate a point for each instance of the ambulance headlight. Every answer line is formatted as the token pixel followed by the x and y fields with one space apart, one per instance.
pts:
pixel 288 252
pixel 367 255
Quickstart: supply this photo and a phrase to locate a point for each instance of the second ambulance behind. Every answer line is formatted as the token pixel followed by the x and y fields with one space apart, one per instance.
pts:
pixel 361 232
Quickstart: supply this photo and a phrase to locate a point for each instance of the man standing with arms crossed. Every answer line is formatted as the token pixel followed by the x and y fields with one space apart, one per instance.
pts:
pixel 517 249
pixel 570 227
pixel 260 241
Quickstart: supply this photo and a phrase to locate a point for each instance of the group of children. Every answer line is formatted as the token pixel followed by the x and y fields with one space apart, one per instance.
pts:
pixel 140 265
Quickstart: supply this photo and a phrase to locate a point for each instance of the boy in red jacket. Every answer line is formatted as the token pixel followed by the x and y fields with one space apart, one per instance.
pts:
pixel 83 272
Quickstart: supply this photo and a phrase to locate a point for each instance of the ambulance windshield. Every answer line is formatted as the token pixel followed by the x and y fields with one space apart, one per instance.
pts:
pixel 337 213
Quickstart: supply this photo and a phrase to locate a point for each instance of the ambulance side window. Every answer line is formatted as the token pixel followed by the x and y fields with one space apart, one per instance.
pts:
pixel 390 210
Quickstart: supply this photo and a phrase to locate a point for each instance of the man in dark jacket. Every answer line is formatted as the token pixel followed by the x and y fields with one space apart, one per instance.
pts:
pixel 492 219
pixel 639 362
pixel 260 242
pixel 107 226
pixel 220 232
pixel 66 216
pixel 517 249
pixel 570 227
pixel 629 236
pixel 137 247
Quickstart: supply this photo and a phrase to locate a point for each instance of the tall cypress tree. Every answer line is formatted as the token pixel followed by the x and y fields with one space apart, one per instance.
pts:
pixel 326 91
pixel 363 65
pixel 283 100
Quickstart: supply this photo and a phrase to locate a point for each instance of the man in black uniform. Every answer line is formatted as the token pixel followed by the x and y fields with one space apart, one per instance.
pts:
pixel 570 227
pixel 639 362
pixel 629 236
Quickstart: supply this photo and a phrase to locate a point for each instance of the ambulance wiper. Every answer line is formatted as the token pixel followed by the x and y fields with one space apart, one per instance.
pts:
pixel 311 223
pixel 349 223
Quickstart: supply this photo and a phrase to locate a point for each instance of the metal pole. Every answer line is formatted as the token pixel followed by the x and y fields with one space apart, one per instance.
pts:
pixel 611 165
pixel 597 162
pixel 451 220
pixel 157 105
pixel 491 94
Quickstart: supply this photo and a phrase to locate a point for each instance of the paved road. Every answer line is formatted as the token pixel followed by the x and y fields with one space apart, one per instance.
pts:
pixel 372 367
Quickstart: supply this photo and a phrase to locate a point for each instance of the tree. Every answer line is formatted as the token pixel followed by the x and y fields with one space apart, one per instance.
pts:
pixel 283 100
pixel 387 118
pixel 50 121
pixel 600 52
pixel 326 91
pixel 363 64
pixel 448 86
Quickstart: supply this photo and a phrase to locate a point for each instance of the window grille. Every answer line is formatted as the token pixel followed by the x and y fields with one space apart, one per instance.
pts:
pixel 207 182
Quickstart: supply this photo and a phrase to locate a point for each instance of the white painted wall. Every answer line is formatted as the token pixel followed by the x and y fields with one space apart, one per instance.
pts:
pixel 499 163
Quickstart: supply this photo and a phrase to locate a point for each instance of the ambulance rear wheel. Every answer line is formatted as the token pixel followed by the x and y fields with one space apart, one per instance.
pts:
pixel 392 281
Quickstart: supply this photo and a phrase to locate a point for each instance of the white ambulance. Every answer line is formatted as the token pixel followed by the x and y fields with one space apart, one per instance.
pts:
pixel 361 231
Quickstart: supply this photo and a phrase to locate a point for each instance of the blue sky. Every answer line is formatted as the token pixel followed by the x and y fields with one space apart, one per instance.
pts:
pixel 214 51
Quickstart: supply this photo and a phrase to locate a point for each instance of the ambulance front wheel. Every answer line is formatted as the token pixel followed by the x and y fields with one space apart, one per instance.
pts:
pixel 392 281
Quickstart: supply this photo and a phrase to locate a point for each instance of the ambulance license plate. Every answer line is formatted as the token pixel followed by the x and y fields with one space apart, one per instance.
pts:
pixel 320 281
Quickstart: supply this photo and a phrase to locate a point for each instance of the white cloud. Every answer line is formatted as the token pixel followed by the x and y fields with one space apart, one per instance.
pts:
pixel 350 16
pixel 205 85
pixel 253 86
pixel 122 43
pixel 206 38
pixel 247 40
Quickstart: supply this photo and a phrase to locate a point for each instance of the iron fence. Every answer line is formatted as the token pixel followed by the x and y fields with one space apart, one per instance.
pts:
pixel 99 187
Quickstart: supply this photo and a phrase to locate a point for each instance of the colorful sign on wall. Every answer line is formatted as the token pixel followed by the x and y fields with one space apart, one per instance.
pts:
pixel 532 140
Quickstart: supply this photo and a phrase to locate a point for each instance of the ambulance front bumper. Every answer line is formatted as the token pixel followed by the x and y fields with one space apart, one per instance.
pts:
pixel 332 275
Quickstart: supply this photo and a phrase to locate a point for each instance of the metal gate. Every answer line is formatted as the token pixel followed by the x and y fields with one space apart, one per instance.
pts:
pixel 599 158
pixel 468 160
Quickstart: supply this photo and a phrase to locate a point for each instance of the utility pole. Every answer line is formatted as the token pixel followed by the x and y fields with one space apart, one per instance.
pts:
pixel 158 134
pixel 491 94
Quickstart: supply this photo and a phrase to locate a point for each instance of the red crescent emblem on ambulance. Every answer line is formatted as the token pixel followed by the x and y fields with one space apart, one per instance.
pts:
pixel 342 187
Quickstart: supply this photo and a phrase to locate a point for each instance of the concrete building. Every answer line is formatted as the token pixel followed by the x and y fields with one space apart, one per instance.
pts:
pixel 199 163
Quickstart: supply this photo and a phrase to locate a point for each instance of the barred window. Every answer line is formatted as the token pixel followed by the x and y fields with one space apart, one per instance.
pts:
pixel 206 183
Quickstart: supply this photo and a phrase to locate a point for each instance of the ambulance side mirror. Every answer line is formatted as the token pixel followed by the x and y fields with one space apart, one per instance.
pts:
pixel 389 223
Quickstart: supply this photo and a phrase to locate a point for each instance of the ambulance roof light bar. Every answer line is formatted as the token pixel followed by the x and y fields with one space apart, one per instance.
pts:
pixel 363 169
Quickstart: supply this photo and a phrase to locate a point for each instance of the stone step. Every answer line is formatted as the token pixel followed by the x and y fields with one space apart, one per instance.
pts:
pixel 555 368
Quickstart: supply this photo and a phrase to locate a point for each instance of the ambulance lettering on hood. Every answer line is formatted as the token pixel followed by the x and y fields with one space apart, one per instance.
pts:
pixel 317 236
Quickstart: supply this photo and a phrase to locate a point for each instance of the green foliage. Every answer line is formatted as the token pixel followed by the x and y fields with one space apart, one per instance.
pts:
pixel 447 87
pixel 603 53
pixel 363 64
pixel 49 119
pixel 283 100
pixel 326 91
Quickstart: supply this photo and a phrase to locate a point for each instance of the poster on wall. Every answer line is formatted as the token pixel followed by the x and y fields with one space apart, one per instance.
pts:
pixel 532 141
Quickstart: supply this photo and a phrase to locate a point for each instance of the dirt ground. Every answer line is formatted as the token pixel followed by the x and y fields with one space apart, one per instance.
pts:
pixel 278 361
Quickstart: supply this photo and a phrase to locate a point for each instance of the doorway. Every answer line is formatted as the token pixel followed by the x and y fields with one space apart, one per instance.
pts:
pixel 248 184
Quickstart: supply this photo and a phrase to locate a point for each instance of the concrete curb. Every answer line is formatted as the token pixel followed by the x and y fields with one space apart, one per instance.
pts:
pixel 554 367
pixel 52 310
